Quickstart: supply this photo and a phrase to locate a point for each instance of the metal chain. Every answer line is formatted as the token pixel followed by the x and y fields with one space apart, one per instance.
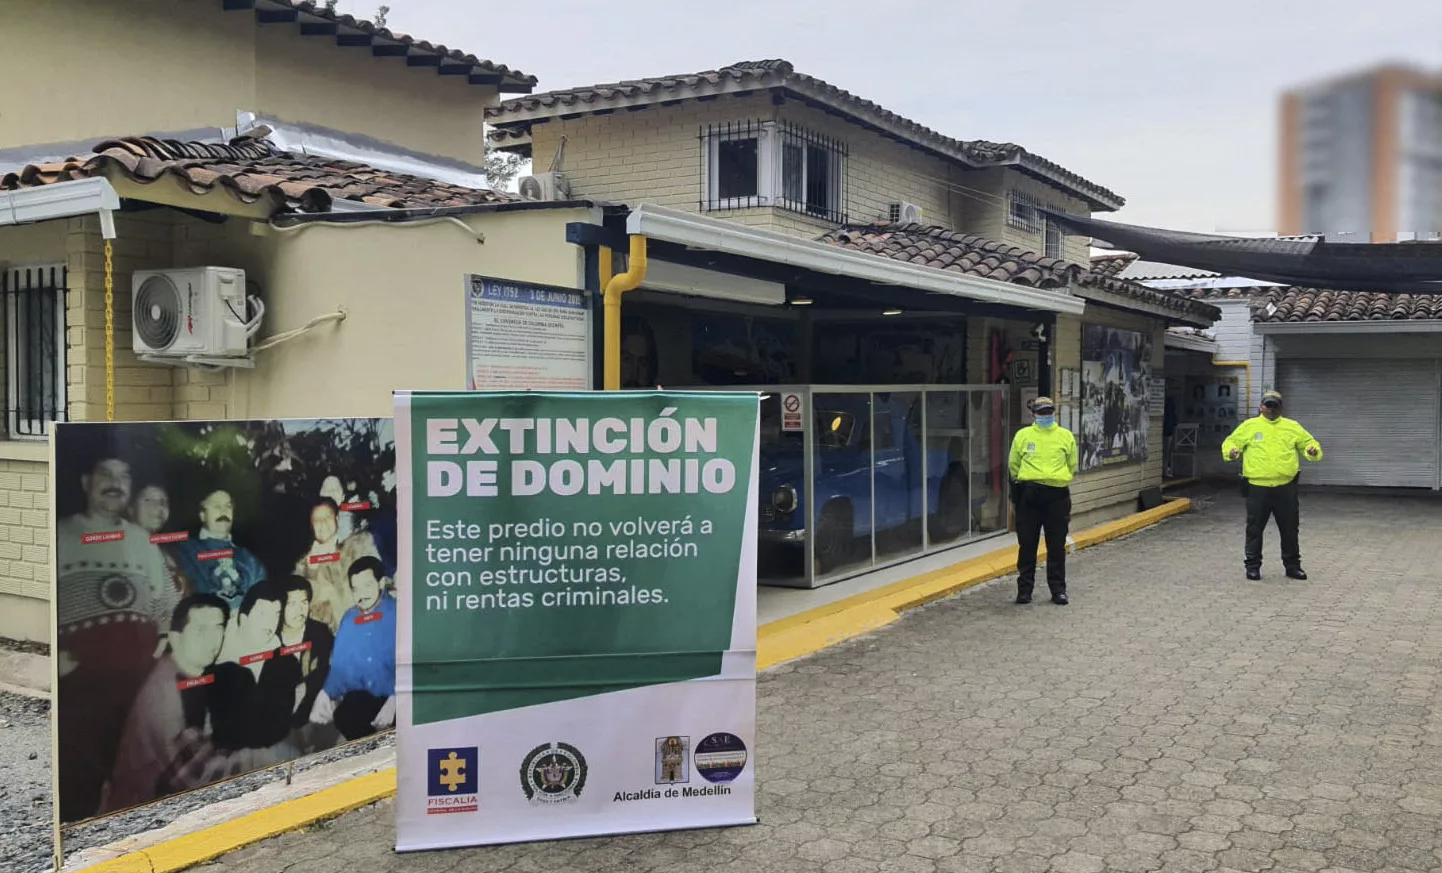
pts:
pixel 109 335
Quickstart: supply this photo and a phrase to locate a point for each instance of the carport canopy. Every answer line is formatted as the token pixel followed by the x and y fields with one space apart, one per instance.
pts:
pixel 728 246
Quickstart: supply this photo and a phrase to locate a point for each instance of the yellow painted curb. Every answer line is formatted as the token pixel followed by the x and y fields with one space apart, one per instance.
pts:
pixel 777 642
pixel 789 637
pixel 190 850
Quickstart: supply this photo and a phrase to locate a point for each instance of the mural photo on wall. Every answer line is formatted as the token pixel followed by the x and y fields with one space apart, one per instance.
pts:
pixel 1116 370
pixel 224 600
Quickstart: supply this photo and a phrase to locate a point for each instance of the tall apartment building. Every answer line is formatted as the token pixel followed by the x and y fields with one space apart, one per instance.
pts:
pixel 1361 157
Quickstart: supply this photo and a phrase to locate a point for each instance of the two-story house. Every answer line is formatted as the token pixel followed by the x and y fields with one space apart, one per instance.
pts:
pixel 763 145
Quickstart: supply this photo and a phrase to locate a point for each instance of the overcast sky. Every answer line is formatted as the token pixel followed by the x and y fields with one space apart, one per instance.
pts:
pixel 1170 103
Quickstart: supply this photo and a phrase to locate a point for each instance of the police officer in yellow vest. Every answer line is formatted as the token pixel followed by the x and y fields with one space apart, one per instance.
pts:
pixel 1268 446
pixel 1043 462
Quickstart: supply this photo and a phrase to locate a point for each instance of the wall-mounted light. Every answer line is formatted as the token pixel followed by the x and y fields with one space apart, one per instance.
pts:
pixel 801 301
pixel 891 312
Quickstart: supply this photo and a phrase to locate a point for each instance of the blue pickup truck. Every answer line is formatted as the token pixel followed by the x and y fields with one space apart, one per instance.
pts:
pixel 841 521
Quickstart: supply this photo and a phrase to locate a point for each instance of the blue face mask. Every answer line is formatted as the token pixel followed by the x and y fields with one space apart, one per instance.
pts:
pixel 1045 420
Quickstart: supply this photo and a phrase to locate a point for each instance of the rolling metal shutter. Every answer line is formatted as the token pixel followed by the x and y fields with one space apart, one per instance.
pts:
pixel 1377 420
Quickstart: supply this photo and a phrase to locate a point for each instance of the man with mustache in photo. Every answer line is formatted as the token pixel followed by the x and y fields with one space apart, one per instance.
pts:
pixel 359 694
pixel 212 560
pixel 113 595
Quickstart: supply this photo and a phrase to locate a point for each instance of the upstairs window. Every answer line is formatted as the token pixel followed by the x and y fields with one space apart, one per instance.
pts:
pixel 737 168
pixel 33 314
pixel 1022 212
pixel 762 164
pixel 1055 246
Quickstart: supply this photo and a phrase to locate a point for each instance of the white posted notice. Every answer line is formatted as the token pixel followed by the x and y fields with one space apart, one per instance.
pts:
pixel 526 337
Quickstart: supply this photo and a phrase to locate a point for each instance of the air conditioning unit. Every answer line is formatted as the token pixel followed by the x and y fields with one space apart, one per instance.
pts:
pixel 197 316
pixel 905 213
pixel 545 186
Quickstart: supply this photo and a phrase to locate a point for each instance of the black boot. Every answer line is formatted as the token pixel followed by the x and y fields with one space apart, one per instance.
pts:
pixel 1254 573
pixel 1296 573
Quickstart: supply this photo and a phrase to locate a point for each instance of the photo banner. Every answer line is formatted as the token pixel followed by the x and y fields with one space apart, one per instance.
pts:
pixel 577 634
pixel 1116 382
pixel 223 601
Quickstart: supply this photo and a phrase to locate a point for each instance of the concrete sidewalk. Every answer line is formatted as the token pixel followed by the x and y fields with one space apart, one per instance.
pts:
pixel 1175 717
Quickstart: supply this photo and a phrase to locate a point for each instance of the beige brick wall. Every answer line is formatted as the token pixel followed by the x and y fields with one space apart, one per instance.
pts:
pixel 24 471
pixel 24 529
pixel 990 193
pixel 654 156
pixel 142 391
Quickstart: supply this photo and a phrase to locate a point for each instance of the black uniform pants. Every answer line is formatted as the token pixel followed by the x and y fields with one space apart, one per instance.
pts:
pixel 1041 508
pixel 1281 503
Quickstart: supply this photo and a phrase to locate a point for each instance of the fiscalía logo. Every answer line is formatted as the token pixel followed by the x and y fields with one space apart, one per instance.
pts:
pixel 553 773
pixel 452 780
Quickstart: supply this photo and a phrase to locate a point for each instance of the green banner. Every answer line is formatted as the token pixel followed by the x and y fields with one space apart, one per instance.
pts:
pixel 568 545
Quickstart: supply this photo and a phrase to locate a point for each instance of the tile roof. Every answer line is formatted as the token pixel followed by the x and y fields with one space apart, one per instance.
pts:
pixel 1112 265
pixel 978 256
pixel 778 73
pixel 316 20
pixel 251 170
pixel 1296 304
pixel 1317 305
pixel 949 250
pixel 1244 292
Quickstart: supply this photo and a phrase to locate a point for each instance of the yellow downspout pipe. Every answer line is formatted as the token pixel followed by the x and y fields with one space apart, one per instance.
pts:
pixel 607 266
pixel 1245 365
pixel 616 286
pixel 109 332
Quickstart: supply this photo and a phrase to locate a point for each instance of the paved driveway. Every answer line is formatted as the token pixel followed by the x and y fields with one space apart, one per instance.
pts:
pixel 1175 717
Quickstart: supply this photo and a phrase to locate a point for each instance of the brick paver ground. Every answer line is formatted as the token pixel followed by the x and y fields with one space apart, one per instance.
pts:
pixel 1175 717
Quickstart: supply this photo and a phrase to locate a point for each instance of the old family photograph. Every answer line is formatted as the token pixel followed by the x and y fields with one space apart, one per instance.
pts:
pixel 225 600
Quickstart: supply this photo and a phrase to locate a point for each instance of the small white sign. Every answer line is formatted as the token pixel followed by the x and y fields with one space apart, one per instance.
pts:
pixel 525 337
pixel 791 412
pixel 1157 394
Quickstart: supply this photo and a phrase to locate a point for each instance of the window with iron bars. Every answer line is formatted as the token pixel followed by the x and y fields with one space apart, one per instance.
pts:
pixel 1055 241
pixel 1022 212
pixel 32 307
pixel 752 164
